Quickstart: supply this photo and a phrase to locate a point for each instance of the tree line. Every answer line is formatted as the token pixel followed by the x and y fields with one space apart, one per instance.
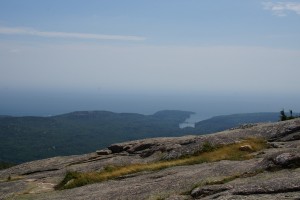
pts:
pixel 284 117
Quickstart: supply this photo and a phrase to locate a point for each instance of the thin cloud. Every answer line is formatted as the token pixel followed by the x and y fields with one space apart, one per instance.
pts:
pixel 282 8
pixel 33 32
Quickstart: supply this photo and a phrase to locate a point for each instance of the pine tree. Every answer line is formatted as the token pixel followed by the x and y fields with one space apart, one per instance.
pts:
pixel 282 115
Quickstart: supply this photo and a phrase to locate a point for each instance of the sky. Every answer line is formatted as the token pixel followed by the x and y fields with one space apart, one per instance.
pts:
pixel 210 56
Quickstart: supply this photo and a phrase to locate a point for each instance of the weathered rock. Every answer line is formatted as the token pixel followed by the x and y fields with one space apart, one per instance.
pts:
pixel 280 160
pixel 139 147
pixel 244 126
pixel 176 147
pixel 289 130
pixel 115 148
pixel 288 160
pixel 143 146
pixel 147 147
pixel 268 183
pixel 209 190
pixel 290 137
pixel 103 152
pixel 274 144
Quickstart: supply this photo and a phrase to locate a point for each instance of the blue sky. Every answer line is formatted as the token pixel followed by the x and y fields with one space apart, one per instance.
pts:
pixel 223 22
pixel 153 47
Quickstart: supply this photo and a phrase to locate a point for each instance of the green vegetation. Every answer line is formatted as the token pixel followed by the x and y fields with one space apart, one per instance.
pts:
pixel 226 152
pixel 207 147
pixel 30 138
pixel 5 165
pixel 223 122
pixel 283 116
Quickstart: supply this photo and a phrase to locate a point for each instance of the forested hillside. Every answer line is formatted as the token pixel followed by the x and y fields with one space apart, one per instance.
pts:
pixel 31 138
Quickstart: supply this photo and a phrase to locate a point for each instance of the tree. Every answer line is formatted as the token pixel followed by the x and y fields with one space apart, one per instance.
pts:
pixel 283 117
pixel 291 115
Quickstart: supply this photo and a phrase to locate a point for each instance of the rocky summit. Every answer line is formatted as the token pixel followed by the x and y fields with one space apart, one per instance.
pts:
pixel 162 168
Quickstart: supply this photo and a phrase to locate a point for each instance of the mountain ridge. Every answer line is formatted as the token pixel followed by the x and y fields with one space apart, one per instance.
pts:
pixel 30 138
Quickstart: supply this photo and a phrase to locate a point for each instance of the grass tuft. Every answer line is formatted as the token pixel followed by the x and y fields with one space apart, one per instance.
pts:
pixel 209 153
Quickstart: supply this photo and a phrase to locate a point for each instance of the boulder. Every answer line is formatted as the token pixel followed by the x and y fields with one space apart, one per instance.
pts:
pixel 115 148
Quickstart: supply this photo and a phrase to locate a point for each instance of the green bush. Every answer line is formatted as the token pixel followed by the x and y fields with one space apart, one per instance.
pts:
pixel 5 165
pixel 207 147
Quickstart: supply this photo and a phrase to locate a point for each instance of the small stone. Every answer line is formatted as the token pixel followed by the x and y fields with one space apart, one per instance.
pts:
pixel 246 147
pixel 69 182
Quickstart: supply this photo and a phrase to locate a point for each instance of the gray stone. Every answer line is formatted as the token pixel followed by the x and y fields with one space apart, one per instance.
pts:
pixel 246 147
pixel 209 190
pixel 103 152
pixel 288 160
pixel 280 160
pixel 115 148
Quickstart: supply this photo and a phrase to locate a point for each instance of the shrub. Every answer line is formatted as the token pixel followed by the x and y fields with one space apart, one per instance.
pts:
pixel 207 147
pixel 283 117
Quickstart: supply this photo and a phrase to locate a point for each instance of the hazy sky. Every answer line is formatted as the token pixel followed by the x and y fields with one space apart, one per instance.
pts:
pixel 153 47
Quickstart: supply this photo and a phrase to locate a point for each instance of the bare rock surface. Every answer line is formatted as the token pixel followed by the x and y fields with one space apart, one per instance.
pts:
pixel 273 173
pixel 209 190
pixel 282 184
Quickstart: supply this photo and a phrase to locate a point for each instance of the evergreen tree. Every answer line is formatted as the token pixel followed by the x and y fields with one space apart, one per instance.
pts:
pixel 283 117
pixel 291 115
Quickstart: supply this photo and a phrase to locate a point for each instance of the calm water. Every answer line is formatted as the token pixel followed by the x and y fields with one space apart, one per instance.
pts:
pixel 193 119
pixel 205 105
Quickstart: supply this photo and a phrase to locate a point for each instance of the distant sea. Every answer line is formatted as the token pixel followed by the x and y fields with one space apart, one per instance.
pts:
pixel 205 105
pixel 193 119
